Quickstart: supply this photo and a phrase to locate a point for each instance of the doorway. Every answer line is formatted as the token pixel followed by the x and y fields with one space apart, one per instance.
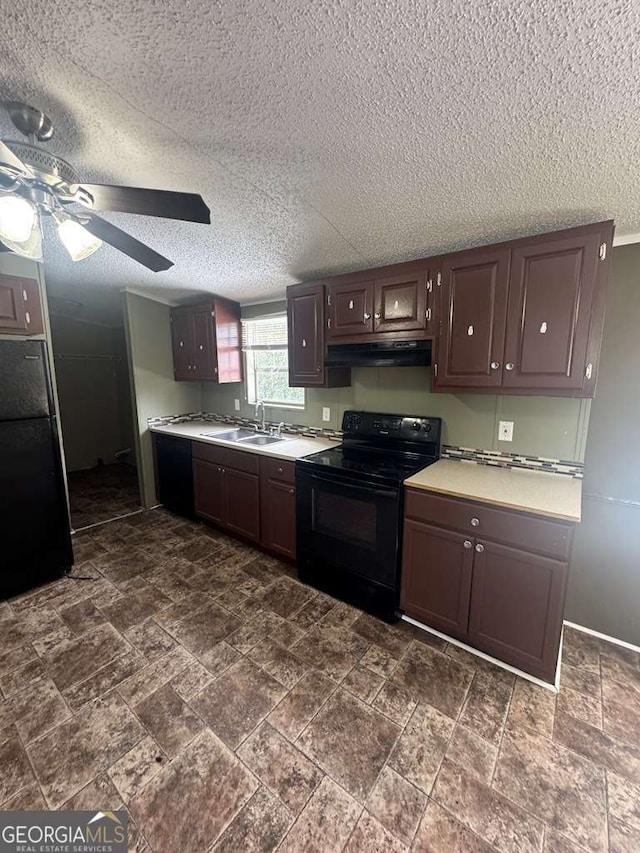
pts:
pixel 94 396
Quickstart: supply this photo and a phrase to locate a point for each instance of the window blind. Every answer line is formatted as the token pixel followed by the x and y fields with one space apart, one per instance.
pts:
pixel 265 333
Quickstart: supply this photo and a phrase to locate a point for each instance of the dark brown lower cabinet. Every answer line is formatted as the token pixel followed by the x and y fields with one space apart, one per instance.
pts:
pixel 504 598
pixel 208 488
pixel 224 494
pixel 278 506
pixel 436 577
pixel 517 607
pixel 242 491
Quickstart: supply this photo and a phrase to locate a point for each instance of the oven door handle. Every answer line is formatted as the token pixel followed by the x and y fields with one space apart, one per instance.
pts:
pixel 381 493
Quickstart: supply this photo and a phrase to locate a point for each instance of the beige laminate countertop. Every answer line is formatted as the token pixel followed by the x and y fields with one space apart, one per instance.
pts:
pixel 538 492
pixel 293 447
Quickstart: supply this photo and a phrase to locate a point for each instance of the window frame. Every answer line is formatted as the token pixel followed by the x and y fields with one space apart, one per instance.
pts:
pixel 251 372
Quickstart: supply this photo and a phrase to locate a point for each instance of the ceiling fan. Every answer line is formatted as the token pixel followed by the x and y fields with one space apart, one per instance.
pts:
pixel 36 183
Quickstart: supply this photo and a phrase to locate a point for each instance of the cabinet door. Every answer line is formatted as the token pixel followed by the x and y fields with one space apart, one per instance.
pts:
pixel 436 577
pixel 305 308
pixel 243 503
pixel 12 306
pixel 550 298
pixel 401 303
pixel 278 512
pixel 473 303
pixel 182 342
pixel 204 354
pixel 517 603
pixel 209 491
pixel 351 309
pixel 227 363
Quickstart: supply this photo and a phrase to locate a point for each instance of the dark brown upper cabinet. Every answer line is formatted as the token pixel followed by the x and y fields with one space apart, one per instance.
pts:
pixel 20 306
pixel 400 303
pixel 206 341
pixel 550 303
pixel 351 309
pixel 306 327
pixel 473 297
pixel 525 317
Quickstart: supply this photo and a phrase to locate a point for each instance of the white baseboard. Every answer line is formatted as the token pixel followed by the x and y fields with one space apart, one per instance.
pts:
pixel 554 688
pixel 614 640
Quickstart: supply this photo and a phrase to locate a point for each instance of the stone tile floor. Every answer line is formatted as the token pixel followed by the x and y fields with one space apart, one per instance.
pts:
pixel 102 493
pixel 194 682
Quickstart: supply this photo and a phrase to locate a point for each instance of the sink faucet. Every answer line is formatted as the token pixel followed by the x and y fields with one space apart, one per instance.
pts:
pixel 258 404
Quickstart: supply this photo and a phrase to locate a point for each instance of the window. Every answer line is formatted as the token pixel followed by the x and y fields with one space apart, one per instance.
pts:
pixel 264 342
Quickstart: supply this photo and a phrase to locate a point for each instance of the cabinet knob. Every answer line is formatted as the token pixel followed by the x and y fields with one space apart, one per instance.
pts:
pixel 468 544
pixel 181 344
pixel 495 365
pixel 304 343
pixel 479 548
pixel 280 470
pixel 367 316
pixel 318 368
pixel 201 347
pixel 509 365
pixel 292 491
pixel 377 315
pixel 475 522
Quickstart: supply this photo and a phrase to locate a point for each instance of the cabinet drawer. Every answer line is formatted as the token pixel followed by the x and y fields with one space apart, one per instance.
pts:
pixel 225 456
pixel 278 469
pixel 512 528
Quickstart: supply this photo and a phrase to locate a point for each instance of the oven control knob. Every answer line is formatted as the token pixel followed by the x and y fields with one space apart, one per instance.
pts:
pixel 416 426
pixel 427 427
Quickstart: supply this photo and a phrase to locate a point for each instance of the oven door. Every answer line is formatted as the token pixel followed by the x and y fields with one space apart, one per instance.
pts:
pixel 348 525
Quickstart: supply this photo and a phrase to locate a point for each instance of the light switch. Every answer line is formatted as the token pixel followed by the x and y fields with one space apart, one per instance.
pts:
pixel 236 405
pixel 326 413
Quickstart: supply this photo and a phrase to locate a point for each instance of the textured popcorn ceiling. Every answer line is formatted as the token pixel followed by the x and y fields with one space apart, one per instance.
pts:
pixel 327 136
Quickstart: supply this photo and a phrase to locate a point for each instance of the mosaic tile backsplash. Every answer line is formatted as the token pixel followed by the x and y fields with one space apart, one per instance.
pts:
pixel 494 458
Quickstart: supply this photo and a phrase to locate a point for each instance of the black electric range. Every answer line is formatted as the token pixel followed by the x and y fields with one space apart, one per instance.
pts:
pixel 350 503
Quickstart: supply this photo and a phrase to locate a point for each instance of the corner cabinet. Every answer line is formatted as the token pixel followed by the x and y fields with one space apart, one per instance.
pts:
pixel 495 579
pixel 306 345
pixel 20 306
pixel 525 317
pixel 206 341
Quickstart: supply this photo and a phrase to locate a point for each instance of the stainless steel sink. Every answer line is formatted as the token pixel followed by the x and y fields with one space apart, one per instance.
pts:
pixel 231 434
pixel 261 440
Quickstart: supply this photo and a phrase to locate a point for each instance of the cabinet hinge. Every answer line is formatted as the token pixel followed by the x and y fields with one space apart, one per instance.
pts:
pixel 429 285
pixel 589 371
pixel 24 296
pixel 329 323
pixel 435 369
pixel 427 314
pixel 213 313
pixel 439 280
pixel 328 298
pixel 603 251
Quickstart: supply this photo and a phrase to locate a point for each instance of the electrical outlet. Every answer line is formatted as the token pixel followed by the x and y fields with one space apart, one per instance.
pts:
pixel 505 431
pixel 236 405
pixel 326 413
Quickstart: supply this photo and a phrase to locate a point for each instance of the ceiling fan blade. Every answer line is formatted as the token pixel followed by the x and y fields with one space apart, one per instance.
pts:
pixel 124 242
pixel 8 158
pixel 164 203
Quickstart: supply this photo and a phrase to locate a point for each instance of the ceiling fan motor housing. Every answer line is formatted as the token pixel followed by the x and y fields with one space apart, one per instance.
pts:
pixel 49 168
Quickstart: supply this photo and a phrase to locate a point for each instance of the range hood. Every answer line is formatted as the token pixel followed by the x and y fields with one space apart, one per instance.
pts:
pixel 379 354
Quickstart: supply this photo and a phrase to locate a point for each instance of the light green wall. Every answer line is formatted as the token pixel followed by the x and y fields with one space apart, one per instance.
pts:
pixel 154 390
pixel 544 426
pixel 604 582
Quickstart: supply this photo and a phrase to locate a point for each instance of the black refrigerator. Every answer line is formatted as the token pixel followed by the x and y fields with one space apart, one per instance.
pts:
pixel 35 539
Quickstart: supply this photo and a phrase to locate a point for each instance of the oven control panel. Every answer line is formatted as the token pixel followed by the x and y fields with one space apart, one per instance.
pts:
pixel 402 427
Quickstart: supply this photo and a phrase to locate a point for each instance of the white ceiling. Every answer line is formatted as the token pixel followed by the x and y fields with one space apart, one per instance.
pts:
pixel 327 136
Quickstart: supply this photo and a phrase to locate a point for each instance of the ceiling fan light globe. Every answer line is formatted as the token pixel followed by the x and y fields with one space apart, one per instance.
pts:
pixel 17 219
pixel 78 242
